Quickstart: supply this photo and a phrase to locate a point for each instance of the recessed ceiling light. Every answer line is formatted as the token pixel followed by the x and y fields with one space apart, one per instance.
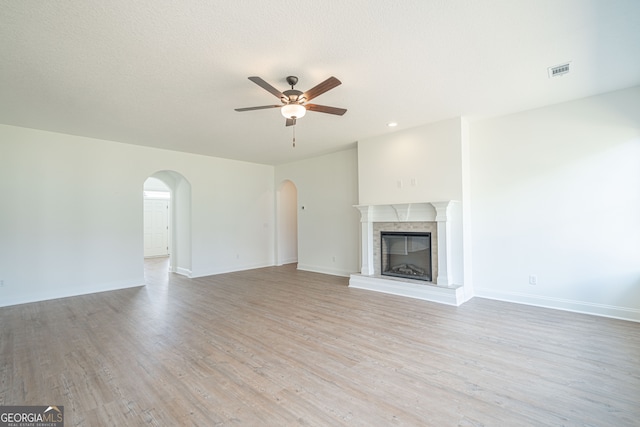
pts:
pixel 392 124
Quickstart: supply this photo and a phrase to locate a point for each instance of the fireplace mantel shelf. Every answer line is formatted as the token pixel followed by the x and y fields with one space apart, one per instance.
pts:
pixel 404 212
pixel 446 218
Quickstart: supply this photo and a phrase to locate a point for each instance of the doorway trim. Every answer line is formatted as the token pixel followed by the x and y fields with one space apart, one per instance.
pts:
pixel 286 223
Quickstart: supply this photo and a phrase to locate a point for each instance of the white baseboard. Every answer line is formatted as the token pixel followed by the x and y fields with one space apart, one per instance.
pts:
pixel 583 307
pixel 433 293
pixel 223 270
pixel 287 261
pixel 74 292
pixel 183 272
pixel 324 270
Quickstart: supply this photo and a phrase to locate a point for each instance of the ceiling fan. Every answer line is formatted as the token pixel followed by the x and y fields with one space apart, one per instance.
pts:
pixel 294 102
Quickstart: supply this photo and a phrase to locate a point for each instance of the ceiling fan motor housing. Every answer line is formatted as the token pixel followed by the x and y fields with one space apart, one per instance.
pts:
pixel 292 96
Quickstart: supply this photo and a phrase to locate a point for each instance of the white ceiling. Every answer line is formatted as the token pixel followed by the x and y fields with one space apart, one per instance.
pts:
pixel 169 74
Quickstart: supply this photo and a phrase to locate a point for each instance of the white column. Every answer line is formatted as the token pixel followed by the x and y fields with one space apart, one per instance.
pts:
pixel 366 221
pixel 444 243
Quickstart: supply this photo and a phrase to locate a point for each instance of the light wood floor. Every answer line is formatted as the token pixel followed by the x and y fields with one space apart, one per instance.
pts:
pixel 280 347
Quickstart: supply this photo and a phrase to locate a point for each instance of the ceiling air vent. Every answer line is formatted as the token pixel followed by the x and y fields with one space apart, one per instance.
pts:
pixel 559 70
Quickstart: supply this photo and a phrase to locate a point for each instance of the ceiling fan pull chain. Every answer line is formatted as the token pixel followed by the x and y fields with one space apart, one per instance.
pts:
pixel 294 136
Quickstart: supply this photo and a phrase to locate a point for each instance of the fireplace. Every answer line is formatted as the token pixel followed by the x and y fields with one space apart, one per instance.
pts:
pixel 406 254
pixel 443 277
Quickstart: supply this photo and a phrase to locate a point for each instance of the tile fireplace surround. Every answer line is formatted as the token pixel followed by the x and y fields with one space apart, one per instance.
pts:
pixel 443 220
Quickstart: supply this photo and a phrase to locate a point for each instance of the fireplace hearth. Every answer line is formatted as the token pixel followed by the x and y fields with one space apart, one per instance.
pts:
pixel 406 254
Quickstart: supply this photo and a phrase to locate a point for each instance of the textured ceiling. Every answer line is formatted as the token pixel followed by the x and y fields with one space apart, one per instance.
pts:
pixel 169 74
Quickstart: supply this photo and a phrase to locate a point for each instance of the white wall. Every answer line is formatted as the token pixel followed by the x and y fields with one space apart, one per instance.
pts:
pixel 556 193
pixel 421 164
pixel 328 226
pixel 71 216
pixel 232 215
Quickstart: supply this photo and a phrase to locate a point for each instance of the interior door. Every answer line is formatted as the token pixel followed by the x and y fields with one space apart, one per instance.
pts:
pixel 156 227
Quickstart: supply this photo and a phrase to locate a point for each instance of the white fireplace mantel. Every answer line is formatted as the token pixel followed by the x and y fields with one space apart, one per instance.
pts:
pixel 447 286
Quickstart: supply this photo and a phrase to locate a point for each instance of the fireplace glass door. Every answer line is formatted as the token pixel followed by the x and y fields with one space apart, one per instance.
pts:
pixel 406 254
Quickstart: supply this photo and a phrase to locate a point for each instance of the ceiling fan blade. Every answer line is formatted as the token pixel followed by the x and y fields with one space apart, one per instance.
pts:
pixel 266 86
pixel 324 109
pixel 321 88
pixel 290 122
pixel 263 107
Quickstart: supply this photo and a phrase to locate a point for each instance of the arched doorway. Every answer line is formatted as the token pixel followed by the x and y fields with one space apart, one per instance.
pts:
pixel 287 223
pixel 178 218
pixel 157 197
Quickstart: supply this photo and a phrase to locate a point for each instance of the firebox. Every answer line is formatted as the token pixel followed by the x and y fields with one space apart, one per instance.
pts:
pixel 406 254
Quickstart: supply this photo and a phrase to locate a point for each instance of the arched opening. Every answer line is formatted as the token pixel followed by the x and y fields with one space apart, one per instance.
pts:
pixel 177 205
pixel 287 223
pixel 157 197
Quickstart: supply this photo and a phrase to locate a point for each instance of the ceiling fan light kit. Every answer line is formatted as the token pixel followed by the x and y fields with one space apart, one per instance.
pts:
pixel 293 111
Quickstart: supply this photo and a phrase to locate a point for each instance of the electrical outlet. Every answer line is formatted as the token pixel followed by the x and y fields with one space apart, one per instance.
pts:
pixel 533 280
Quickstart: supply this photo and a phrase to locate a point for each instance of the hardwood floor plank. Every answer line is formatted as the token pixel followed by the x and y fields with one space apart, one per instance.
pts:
pixel 277 346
